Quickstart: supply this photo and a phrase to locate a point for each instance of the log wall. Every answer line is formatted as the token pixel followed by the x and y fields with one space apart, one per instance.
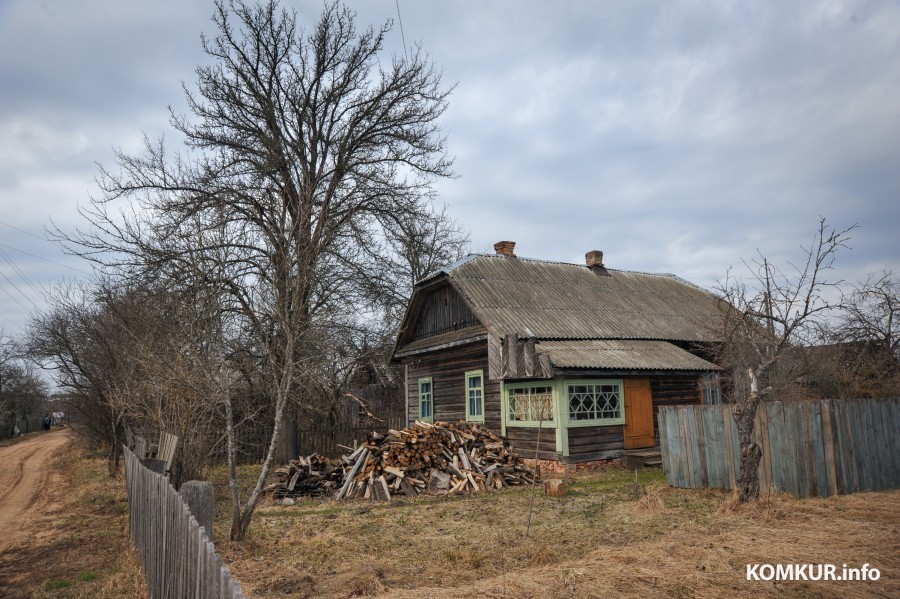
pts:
pixel 673 391
pixel 589 440
pixel 525 441
pixel 447 370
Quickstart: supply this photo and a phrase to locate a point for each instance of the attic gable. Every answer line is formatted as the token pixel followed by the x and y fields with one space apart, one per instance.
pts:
pixel 437 311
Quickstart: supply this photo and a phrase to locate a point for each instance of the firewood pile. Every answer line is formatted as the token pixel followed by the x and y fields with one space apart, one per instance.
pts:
pixel 439 458
pixel 306 477
pixel 436 458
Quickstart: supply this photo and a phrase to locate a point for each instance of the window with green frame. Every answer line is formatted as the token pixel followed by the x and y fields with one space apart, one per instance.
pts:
pixel 595 402
pixel 475 396
pixel 426 400
pixel 529 403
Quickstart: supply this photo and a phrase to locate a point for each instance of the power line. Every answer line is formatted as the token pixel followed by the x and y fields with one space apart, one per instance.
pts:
pixel 18 270
pixel 16 287
pixel 23 231
pixel 42 258
pixel 402 36
pixel 12 297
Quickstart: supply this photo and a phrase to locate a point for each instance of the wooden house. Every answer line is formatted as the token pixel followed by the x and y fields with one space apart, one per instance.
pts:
pixel 569 361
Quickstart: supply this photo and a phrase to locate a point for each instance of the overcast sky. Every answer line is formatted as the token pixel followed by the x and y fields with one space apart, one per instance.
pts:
pixel 675 136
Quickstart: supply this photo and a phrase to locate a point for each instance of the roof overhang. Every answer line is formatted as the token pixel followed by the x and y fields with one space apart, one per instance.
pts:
pixel 617 355
pixel 442 341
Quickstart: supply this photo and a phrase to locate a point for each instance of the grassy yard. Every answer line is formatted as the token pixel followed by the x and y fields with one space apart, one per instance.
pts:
pixel 611 535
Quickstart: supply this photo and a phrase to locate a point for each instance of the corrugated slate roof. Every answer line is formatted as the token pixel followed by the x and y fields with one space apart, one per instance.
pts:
pixel 553 300
pixel 622 355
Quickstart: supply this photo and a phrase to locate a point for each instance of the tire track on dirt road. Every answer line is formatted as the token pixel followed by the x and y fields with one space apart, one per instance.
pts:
pixel 24 472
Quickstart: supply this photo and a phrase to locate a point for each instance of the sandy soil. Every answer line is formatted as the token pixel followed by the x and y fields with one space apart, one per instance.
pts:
pixel 25 477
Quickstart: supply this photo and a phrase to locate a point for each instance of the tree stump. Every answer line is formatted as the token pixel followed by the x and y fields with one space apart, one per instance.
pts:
pixel 555 487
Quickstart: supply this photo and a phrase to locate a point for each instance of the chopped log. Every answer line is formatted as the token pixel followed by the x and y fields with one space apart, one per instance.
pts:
pixel 555 487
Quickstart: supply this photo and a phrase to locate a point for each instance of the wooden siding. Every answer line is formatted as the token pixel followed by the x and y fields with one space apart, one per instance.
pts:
pixel 588 440
pixel 443 310
pixel 525 442
pixel 447 370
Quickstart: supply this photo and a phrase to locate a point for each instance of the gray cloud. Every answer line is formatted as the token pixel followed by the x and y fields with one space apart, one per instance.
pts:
pixel 677 137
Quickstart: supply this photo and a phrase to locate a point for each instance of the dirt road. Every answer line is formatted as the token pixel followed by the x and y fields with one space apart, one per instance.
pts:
pixel 24 475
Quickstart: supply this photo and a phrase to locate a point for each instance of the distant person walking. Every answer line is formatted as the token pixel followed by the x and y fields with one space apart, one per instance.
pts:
pixel 47 422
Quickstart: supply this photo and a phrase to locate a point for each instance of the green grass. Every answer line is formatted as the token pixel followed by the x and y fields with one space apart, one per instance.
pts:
pixel 56 585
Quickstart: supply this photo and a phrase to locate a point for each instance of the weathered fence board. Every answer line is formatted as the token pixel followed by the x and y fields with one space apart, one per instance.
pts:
pixel 175 552
pixel 810 448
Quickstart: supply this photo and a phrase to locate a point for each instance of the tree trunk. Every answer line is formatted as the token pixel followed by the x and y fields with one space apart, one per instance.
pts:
pixel 751 453
pixel 289 446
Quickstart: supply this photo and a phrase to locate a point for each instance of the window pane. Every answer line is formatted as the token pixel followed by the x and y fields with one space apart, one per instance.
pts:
pixel 530 404
pixel 594 402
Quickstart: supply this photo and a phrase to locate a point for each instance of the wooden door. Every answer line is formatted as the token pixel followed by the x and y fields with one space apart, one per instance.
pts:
pixel 638 413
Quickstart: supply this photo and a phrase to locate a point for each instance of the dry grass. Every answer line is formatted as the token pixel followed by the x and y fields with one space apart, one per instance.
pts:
pixel 611 535
pixel 80 548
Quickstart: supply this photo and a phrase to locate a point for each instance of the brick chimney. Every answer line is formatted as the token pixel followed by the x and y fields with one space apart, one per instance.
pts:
pixel 594 261
pixel 594 258
pixel 505 248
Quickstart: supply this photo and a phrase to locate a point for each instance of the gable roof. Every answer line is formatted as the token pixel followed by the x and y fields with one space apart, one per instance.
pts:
pixel 579 317
pixel 554 300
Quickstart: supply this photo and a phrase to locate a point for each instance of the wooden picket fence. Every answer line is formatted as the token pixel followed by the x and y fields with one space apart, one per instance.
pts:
pixel 178 559
pixel 809 448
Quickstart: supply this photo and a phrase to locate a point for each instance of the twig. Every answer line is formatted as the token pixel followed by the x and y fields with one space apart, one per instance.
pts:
pixel 363 405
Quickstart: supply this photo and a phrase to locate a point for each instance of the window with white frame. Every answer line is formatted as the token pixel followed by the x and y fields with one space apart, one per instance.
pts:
pixel 529 403
pixel 426 400
pixel 597 402
pixel 475 396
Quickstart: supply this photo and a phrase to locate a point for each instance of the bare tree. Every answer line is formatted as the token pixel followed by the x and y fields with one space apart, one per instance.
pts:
pixel 78 339
pixel 775 311
pixel 416 244
pixel 862 355
pixel 871 312
pixel 300 143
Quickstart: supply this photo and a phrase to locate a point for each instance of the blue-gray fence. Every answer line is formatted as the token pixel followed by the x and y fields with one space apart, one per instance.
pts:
pixel 178 559
pixel 809 448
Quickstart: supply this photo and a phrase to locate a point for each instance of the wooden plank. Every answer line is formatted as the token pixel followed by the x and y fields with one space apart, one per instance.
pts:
pixel 728 427
pixel 797 442
pixel 701 446
pixel 818 441
pixel 663 447
pixel 685 426
pixel 810 489
pixel 880 414
pixel 892 424
pixel 859 445
pixel 712 447
pixel 673 444
pixel 878 441
pixel 831 470
pixel 766 446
